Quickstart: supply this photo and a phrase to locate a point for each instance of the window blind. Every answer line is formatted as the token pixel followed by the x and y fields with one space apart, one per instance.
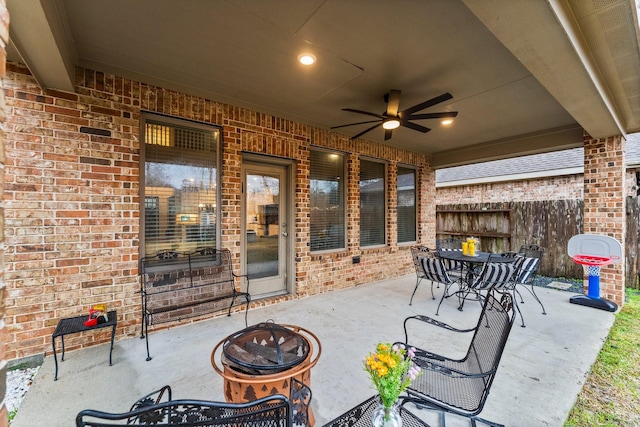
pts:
pixel 406 205
pixel 327 220
pixel 372 203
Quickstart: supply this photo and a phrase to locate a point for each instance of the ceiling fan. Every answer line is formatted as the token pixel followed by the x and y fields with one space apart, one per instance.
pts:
pixel 392 118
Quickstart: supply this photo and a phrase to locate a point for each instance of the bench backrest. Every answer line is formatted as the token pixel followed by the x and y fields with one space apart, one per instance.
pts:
pixel 270 411
pixel 173 270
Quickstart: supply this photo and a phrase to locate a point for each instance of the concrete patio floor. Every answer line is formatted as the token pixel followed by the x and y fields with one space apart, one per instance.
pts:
pixel 541 373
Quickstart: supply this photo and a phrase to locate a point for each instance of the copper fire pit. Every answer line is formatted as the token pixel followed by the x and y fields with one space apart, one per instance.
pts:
pixel 260 361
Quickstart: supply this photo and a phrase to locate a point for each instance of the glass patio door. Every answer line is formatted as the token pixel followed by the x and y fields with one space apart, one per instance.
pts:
pixel 265 228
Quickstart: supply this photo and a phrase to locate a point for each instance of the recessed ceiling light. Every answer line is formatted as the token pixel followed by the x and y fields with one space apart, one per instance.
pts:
pixel 447 122
pixel 306 59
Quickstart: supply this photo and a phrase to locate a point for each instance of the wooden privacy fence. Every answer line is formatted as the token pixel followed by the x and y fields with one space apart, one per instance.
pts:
pixel 508 225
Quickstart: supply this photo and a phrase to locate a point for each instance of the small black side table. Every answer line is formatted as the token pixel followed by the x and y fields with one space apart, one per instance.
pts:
pixel 74 325
pixel 360 416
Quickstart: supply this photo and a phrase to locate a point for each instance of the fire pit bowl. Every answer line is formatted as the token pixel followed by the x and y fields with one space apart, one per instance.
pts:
pixel 260 360
pixel 265 348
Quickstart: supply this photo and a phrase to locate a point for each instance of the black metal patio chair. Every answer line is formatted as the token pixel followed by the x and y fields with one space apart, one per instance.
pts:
pixel 500 273
pixel 270 411
pixel 461 386
pixel 454 268
pixel 434 269
pixel 417 252
pixel 532 255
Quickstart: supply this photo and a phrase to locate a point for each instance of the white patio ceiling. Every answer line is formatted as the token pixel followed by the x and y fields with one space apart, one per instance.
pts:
pixel 526 76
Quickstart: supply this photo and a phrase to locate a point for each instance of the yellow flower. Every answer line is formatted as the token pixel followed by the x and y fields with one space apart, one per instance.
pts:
pixel 382 371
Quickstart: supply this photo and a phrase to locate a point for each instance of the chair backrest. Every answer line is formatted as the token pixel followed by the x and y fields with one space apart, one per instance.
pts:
pixel 500 272
pixel 152 398
pixel 434 269
pixel 532 251
pixel 417 252
pixel 450 263
pixel 490 338
pixel 449 243
pixel 528 269
pixel 270 411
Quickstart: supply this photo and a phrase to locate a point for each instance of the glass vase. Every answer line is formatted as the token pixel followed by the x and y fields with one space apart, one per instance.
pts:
pixel 386 417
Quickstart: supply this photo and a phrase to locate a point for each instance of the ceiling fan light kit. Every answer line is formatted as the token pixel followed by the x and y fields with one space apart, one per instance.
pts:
pixel 391 124
pixel 392 118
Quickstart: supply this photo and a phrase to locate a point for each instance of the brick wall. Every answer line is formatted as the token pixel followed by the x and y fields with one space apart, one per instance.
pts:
pixel 604 204
pixel 72 194
pixel 568 187
pixel 552 188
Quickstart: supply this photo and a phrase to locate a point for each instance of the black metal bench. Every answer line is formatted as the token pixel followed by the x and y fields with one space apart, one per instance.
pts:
pixel 178 285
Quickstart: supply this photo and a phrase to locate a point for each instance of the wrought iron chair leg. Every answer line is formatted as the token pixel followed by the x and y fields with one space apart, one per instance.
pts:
pixel 533 292
pixel 415 289
pixel 473 420
pixel 440 303
pixel 444 295
pixel 485 422
pixel 463 298
pixel 515 303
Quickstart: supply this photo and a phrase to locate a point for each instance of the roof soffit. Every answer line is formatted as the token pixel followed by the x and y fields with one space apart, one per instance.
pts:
pixel 557 56
pixel 47 52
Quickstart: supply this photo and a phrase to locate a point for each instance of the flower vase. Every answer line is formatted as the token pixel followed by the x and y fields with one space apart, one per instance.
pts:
pixel 386 417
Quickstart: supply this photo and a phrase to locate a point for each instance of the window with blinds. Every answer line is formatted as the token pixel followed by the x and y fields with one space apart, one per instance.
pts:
pixel 180 185
pixel 327 220
pixel 406 205
pixel 372 203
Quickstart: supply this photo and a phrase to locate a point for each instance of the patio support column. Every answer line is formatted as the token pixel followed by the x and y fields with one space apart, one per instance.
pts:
pixel 426 205
pixel 4 40
pixel 604 204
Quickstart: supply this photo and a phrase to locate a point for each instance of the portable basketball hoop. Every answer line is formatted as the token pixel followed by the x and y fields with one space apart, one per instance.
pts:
pixel 594 251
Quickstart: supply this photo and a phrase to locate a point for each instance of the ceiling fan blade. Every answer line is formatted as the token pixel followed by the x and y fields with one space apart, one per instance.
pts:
pixel 415 126
pixel 393 103
pixel 442 115
pixel 388 133
pixel 426 104
pixel 353 124
pixel 352 110
pixel 365 131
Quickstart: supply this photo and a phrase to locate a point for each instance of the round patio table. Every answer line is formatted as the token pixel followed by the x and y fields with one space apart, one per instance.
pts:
pixel 479 258
pixel 468 263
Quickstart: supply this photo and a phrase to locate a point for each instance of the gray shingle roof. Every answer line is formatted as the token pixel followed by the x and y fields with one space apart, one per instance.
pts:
pixel 553 163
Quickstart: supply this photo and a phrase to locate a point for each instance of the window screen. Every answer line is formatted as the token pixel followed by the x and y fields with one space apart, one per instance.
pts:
pixel 180 185
pixel 327 201
pixel 406 205
pixel 372 203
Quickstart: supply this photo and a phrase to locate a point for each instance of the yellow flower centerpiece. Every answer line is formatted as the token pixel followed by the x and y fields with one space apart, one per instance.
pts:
pixel 391 369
